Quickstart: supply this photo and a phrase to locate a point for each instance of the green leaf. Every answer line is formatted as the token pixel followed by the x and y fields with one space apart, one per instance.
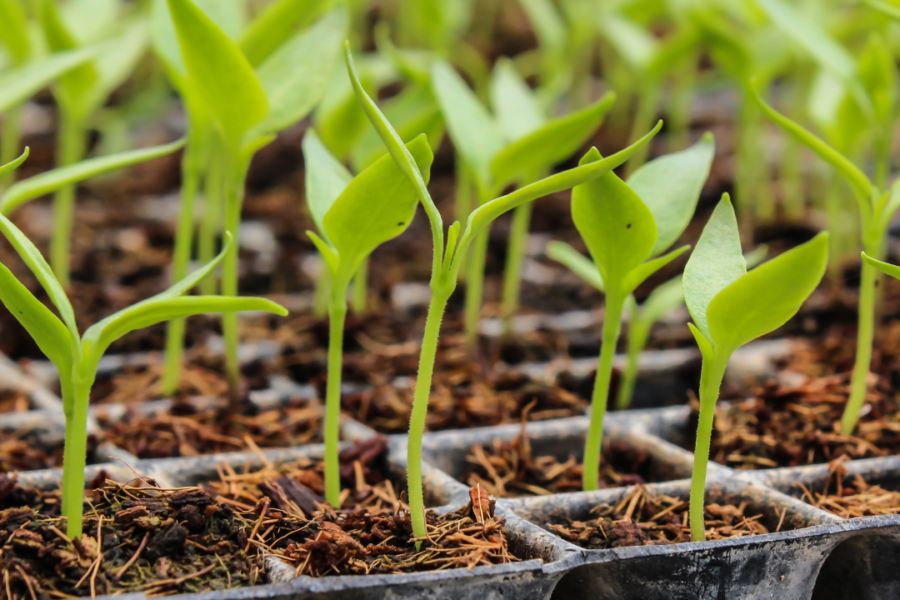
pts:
pixel 475 135
pixel 706 348
pixel 76 83
pixel 847 169
pixel 21 83
pixel 376 206
pixel 97 339
pixel 331 257
pixel 883 7
pixel 715 264
pixel 765 298
pixel 117 62
pixel 326 178
pixel 229 15
pixel 489 211
pixel 14 30
pixel 552 143
pixel 548 24
pixel 670 186
pixel 634 44
pixel 34 187
pixel 276 24
pixel 577 262
pixel 878 73
pixel 515 105
pixel 42 325
pixel 42 272
pixel 616 225
pixel 189 281
pixel 223 78
pixel 297 74
pixel 644 270
pixel 884 267
pixel 14 164
pixel 90 20
pixel 339 119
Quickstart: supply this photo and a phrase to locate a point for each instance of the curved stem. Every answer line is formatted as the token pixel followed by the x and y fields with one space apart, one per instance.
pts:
pixel 515 257
pixel 360 289
pixel 69 150
pixel 710 381
pixel 612 324
pixel 337 311
pixel 10 142
pixel 865 335
pixel 436 308
pixel 75 457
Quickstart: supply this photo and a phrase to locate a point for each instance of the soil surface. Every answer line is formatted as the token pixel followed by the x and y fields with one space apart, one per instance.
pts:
pixel 643 519
pixel 27 449
pixel 851 498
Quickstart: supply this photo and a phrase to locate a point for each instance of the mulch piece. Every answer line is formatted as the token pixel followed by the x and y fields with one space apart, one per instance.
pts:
pixel 644 519
pixel 854 499
pixel 786 426
pixel 187 430
pixel 14 401
pixel 510 469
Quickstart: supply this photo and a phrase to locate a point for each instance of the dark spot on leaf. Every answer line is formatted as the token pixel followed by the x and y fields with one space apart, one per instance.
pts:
pixel 628 226
pixel 21 313
pixel 401 224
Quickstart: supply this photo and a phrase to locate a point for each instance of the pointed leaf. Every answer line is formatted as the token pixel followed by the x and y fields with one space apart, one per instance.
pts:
pixel 14 30
pixel 376 206
pixel 670 186
pixel 229 15
pixel 21 83
pixel 715 264
pixel 34 187
pixel 475 135
pixel 186 283
pixel 884 267
pixel 576 262
pixel 552 143
pixel 14 164
pixel 763 299
pixel 297 74
pixel 276 24
pixel 616 225
pixel 326 178
pixel 515 105
pixel 76 82
pixel 331 257
pixel 223 78
pixel 706 349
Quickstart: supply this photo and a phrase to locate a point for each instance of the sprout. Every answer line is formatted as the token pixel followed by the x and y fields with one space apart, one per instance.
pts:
pixel 730 307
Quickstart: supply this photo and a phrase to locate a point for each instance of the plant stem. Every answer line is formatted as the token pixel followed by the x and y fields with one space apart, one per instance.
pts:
pixel 474 264
pixel 464 196
pixel 209 225
pixel 233 196
pixel 515 256
pixel 337 311
pixel 359 291
pixel 612 324
pixel 322 292
pixel 864 337
pixel 436 307
pixel 69 150
pixel 647 101
pixel 75 456
pixel 11 142
pixel 680 105
pixel 710 381
pixel 638 332
pixel 191 169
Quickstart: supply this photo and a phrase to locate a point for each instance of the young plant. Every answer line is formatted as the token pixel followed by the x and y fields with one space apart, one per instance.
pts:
pixel 354 215
pixel 249 90
pixel 76 356
pixel 447 259
pixel 80 92
pixel 502 150
pixel 730 307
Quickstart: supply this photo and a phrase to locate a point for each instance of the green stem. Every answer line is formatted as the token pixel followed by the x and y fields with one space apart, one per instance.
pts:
pixel 422 392
pixel 710 381
pixel 474 264
pixel 864 337
pixel 612 324
pixel 464 195
pixel 337 311
pixel 647 101
pixel 211 221
pixel 680 105
pixel 322 293
pixel 75 457
pixel 638 332
pixel 71 144
pixel 360 289
pixel 515 257
pixel 191 169
pixel 11 142
pixel 234 195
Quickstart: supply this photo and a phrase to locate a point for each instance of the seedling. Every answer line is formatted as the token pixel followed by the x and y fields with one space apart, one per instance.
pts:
pixel 625 226
pixel 354 215
pixel 76 356
pixel 730 307
pixel 514 148
pixel 447 259
pixel 249 90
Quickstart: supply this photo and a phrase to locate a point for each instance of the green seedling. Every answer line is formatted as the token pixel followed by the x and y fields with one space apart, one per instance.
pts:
pixel 250 89
pixel 76 356
pixel 502 150
pixel 730 307
pixel 876 208
pixel 626 227
pixel 664 300
pixel 447 259
pixel 336 200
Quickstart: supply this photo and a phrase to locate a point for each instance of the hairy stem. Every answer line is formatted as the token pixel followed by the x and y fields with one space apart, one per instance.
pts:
pixel 191 169
pixel 75 457
pixel 436 309
pixel 710 381
pixel 11 142
pixel 69 150
pixel 864 337
pixel 360 288
pixel 515 256
pixel 337 311
pixel 612 324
